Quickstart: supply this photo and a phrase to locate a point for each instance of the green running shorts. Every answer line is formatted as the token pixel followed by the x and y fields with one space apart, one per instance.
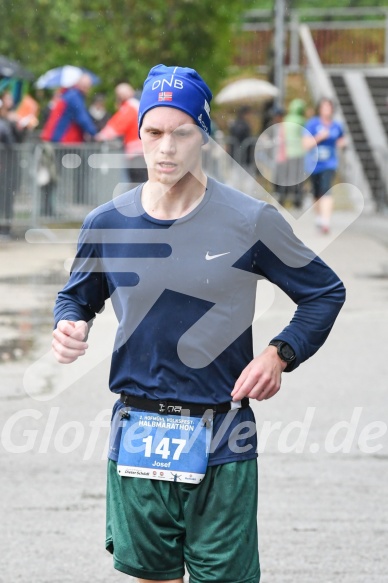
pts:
pixel 155 528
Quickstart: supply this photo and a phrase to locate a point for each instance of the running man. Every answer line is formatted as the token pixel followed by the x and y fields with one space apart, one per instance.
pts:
pixel 180 257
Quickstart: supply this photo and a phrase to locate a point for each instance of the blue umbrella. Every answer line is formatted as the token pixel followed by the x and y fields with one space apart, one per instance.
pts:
pixel 65 76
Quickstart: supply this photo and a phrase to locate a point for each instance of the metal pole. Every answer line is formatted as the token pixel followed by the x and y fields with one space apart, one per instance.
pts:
pixel 35 189
pixel 279 37
pixel 294 42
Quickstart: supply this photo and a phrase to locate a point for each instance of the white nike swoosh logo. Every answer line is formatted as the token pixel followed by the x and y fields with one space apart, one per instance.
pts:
pixel 210 257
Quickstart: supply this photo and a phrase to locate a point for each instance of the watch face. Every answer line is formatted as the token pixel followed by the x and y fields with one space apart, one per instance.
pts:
pixel 286 352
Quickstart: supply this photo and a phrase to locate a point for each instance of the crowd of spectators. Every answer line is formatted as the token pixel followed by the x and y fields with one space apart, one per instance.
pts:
pixel 67 118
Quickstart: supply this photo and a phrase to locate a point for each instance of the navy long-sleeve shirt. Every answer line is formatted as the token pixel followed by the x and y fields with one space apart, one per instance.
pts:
pixel 184 293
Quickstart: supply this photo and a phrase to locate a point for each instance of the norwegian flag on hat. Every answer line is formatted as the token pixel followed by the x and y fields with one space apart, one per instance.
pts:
pixel 165 96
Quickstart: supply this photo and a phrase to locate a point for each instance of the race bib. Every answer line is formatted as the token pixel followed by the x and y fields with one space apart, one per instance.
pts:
pixel 165 447
pixel 324 153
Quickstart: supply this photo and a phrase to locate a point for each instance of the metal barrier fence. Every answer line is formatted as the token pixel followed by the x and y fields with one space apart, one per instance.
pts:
pixel 288 179
pixel 41 186
pixel 41 182
pixel 45 183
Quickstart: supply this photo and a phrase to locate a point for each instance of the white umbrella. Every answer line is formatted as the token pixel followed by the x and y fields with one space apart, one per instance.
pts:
pixel 247 90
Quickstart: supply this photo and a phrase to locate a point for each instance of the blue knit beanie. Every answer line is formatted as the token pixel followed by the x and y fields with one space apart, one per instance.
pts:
pixel 179 87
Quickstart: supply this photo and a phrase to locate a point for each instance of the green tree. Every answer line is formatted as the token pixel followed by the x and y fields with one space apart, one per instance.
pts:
pixel 122 39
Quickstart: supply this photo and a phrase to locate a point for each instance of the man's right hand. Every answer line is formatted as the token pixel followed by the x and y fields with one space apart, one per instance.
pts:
pixel 68 340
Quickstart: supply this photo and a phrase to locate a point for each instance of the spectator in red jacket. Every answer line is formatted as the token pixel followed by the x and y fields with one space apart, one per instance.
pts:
pixel 123 124
pixel 69 121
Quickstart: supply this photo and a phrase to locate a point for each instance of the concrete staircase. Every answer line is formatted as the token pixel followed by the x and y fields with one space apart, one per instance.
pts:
pixel 363 102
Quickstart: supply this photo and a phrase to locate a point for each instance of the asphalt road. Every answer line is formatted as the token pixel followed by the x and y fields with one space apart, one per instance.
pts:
pixel 323 467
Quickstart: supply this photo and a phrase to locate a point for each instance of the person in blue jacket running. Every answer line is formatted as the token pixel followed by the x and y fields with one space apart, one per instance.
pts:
pixel 322 136
pixel 180 257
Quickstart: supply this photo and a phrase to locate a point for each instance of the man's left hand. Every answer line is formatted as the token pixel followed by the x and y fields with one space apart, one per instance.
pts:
pixel 261 379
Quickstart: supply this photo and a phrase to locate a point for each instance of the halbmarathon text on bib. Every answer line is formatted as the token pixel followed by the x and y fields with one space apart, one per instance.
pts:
pixel 165 447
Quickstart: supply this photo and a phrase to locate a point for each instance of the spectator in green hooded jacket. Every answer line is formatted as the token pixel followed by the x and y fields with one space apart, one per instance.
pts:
pixel 293 124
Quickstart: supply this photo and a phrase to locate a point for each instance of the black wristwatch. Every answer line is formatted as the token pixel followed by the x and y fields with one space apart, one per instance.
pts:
pixel 285 351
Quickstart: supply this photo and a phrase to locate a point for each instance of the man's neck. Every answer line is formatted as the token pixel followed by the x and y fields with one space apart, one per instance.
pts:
pixel 173 202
